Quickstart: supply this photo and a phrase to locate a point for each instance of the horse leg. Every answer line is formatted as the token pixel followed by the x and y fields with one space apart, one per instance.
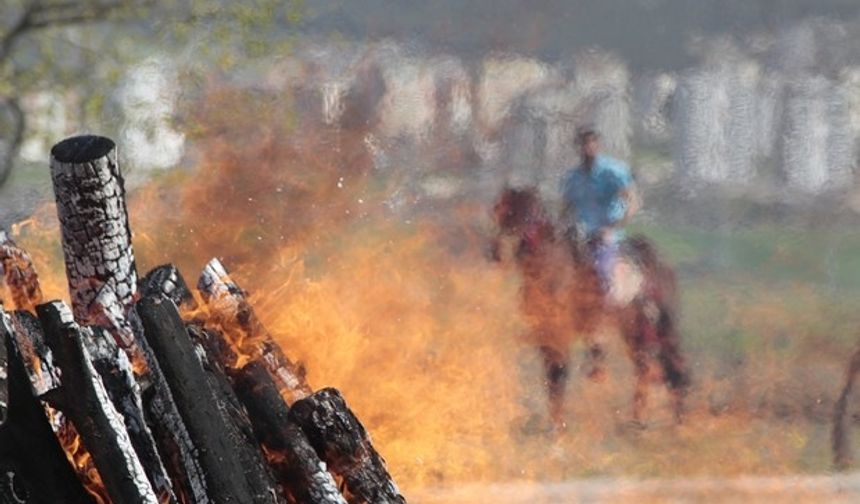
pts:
pixel 675 371
pixel 556 369
pixel 640 394
pixel 596 357
pixel 639 331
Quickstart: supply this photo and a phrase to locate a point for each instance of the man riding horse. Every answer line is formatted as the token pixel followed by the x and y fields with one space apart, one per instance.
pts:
pixel 571 287
pixel 599 197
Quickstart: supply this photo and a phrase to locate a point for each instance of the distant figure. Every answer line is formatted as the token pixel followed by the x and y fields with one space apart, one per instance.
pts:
pixel 598 197
pixel 574 281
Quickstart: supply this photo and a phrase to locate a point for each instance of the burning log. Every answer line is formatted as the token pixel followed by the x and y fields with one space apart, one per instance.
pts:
pixel 87 404
pixel 229 306
pixel 102 277
pixel 191 376
pixel 169 282
pixel 20 275
pixel 96 237
pixel 305 475
pixel 216 374
pixel 223 451
pixel 37 357
pixel 163 415
pixel 33 467
pixel 340 439
pixel 115 369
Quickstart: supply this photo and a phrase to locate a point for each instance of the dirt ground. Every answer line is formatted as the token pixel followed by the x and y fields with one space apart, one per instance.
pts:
pixel 789 489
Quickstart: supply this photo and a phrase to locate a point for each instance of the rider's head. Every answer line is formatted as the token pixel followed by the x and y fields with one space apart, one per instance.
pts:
pixel 588 141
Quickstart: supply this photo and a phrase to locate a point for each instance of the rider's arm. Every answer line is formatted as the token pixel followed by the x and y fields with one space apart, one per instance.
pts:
pixel 626 201
pixel 633 203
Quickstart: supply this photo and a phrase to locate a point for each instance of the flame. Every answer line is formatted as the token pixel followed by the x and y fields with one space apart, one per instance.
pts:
pixel 80 458
pixel 394 305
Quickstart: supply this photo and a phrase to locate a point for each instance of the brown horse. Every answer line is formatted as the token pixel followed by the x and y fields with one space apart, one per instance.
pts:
pixel 562 299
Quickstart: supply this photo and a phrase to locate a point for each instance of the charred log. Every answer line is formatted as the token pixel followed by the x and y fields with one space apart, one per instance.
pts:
pixel 97 247
pixel 33 467
pixel 302 472
pixel 175 446
pixel 340 439
pixel 222 449
pixel 90 409
pixel 218 380
pixel 169 282
pixel 37 356
pixel 114 367
pixel 20 275
pixel 229 306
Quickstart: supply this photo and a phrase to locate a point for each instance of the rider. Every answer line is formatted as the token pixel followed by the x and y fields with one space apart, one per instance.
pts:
pixel 599 197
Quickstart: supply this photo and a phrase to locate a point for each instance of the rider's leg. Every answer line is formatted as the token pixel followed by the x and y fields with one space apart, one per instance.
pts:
pixel 605 259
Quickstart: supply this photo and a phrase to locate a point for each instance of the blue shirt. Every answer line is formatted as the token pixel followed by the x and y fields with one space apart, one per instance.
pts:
pixel 596 194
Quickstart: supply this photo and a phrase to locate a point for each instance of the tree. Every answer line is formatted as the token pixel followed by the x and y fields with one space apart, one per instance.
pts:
pixel 83 46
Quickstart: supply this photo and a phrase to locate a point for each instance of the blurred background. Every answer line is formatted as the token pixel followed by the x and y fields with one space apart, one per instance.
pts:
pixel 342 158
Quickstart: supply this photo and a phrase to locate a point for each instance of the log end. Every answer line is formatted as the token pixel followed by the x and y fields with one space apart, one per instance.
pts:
pixel 82 149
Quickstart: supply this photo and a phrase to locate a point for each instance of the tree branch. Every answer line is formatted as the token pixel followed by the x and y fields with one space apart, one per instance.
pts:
pixel 68 13
pixel 39 15
pixel 15 141
pixel 19 28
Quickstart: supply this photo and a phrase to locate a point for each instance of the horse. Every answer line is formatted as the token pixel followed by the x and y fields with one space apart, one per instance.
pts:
pixel 562 300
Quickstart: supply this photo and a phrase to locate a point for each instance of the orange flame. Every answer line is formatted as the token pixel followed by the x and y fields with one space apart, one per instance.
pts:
pixel 80 459
pixel 395 306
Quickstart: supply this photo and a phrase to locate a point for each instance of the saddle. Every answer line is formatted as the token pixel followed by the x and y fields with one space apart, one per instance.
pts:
pixel 627 281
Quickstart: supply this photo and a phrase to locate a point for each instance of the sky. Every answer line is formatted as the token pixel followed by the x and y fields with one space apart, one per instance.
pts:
pixel 647 33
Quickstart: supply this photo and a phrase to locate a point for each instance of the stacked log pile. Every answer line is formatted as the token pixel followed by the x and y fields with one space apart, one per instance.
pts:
pixel 166 410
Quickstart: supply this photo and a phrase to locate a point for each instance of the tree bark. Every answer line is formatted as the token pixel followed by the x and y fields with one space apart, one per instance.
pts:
pixel 302 472
pixel 96 237
pixel 341 440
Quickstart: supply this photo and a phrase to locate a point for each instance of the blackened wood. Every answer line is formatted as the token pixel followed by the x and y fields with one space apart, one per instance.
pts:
pixel 340 439
pixel 178 452
pixel 214 344
pixel 90 409
pixel 229 477
pixel 19 274
pixel 167 280
pixel 37 356
pixel 33 467
pixel 303 473
pixel 213 349
pixel 228 304
pixel 96 237
pixel 114 367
